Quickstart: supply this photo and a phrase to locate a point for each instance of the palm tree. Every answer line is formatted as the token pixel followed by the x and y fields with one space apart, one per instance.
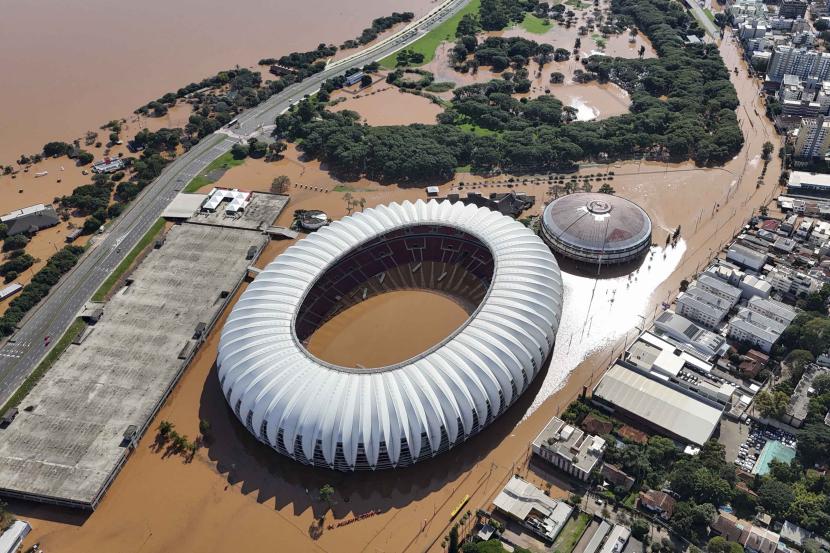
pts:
pixel 165 427
pixel 362 203
pixel 347 197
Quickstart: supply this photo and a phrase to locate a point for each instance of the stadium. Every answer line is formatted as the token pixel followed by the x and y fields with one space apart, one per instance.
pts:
pixel 366 418
pixel 597 229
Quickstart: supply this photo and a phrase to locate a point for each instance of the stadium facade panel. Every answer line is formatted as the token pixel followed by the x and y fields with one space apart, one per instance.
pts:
pixel 358 418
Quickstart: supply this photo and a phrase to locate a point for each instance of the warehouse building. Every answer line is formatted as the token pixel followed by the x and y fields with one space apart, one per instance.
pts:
pixel 661 406
pixel 30 219
pixel 746 257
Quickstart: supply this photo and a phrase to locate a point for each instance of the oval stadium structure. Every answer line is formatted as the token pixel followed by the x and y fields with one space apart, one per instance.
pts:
pixel 354 418
pixel 599 229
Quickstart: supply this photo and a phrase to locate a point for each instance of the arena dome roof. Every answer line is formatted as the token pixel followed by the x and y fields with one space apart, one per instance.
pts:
pixel 354 418
pixel 596 228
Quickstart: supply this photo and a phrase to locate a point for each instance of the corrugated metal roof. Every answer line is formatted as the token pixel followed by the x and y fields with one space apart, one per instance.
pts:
pixel 664 406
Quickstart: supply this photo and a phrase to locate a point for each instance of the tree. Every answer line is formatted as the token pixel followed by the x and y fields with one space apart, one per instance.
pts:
pixel 453 545
pixel 280 185
pixel 775 496
pixel 84 158
pixel 204 427
pixel 347 197
pixel 365 81
pixel 766 151
pixel 772 404
pixel 556 78
pixel 165 427
pixel 326 495
pixel 718 544
pixel 607 189
pixel 814 443
pixel 639 528
pixel 798 359
pixel 763 211
pixel 239 151
pixel 16 242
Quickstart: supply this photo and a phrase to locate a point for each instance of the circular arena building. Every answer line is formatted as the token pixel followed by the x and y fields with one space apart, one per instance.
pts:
pixel 357 418
pixel 599 229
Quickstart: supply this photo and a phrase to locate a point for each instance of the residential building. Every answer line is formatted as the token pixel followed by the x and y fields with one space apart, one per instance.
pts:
pixel 616 477
pixel 597 426
pixel 702 306
pixel 30 219
pixel 799 405
pixel 752 363
pixel 753 538
pixel 804 63
pixel 805 228
pixel 657 502
pixel 793 8
pixel 108 165
pixel 533 509
pixel 683 331
pixel 569 448
pixel 746 257
pixel 719 288
pixel 813 139
pixel 755 329
pixel 773 309
pixel 793 283
pixel 808 184
pixel 752 286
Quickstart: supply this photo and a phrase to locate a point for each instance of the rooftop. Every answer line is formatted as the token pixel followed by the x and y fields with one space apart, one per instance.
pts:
pixel 523 500
pixel 663 405
pixel 598 222
pixel 571 443
pixel 68 438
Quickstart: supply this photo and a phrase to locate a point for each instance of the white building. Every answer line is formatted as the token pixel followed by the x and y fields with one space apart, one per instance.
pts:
pixel 752 286
pixel 773 309
pixel 684 331
pixel 753 328
pixel 788 281
pixel 804 63
pixel 569 448
pixel 12 537
pixel 746 257
pixel 702 306
pixel 719 288
pixel 532 507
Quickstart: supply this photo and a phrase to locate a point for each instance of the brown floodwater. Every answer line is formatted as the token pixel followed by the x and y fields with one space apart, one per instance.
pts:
pixel 383 104
pixel 387 329
pixel 72 66
pixel 238 494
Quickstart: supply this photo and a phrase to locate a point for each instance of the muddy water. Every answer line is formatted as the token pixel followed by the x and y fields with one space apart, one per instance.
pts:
pixel 237 494
pixel 383 104
pixel 71 66
pixel 387 329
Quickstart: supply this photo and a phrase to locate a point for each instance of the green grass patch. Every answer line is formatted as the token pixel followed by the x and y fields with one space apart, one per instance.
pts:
pixel 476 130
pixel 225 161
pixel 577 4
pixel 535 25
pixel 709 14
pixel 428 43
pixel 125 264
pixel 463 168
pixel 57 350
pixel 573 530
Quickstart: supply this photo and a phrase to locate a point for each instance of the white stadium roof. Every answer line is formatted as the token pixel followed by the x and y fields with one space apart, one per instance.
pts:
pixel 347 418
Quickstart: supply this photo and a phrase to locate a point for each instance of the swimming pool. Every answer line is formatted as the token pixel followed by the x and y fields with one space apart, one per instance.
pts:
pixel 773 450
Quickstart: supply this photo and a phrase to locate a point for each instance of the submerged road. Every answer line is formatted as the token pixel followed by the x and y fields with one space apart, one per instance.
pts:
pixel 27 347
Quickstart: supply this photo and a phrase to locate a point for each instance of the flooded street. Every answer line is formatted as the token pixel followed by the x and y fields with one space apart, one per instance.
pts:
pixel 71 67
pixel 387 329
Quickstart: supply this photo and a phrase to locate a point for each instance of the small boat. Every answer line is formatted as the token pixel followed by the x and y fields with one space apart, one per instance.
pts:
pixel 41 174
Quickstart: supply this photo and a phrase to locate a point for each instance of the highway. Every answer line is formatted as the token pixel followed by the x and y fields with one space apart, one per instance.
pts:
pixel 52 317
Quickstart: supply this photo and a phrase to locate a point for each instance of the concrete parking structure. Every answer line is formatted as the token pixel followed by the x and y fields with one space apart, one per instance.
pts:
pixel 76 428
